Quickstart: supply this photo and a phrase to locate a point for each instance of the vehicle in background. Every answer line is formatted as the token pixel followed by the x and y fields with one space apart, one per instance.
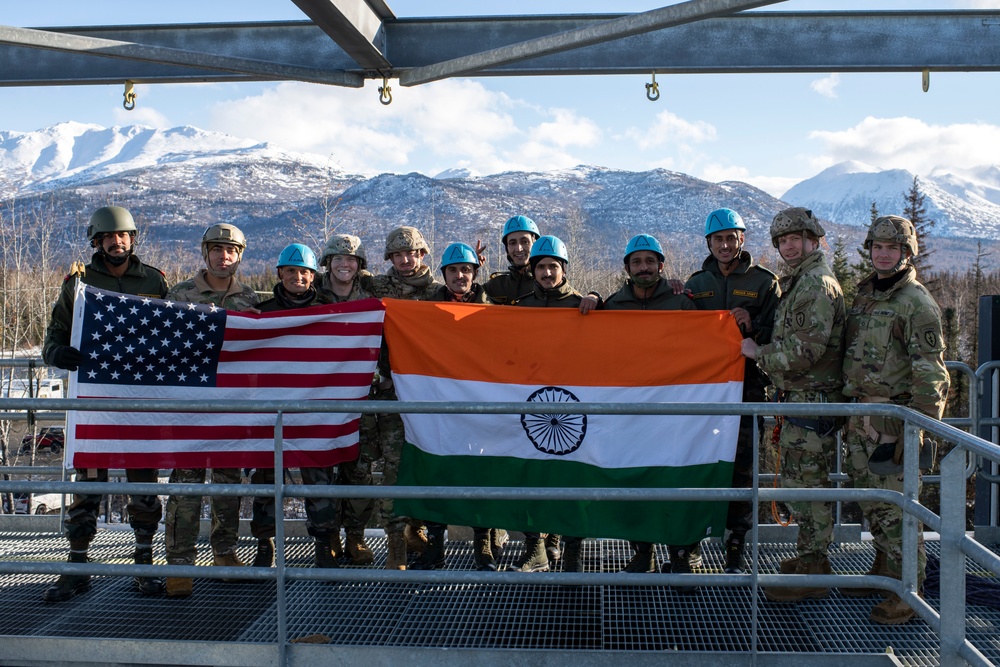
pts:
pixel 41 503
pixel 18 388
pixel 49 439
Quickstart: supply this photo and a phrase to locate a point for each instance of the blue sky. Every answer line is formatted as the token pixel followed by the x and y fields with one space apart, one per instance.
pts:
pixel 768 130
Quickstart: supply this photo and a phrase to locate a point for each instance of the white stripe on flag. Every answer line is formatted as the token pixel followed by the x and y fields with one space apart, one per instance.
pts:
pixel 348 393
pixel 611 441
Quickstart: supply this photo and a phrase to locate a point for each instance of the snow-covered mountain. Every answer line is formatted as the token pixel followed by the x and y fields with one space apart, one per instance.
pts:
pixel 179 181
pixel 962 205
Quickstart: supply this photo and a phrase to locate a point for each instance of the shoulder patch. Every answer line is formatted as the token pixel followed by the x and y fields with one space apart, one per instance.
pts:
pixel 497 274
pixel 702 295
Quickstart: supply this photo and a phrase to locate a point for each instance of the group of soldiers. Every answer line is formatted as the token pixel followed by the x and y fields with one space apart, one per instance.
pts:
pixel 800 343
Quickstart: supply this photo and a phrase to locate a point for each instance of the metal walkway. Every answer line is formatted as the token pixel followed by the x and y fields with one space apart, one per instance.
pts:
pixel 480 618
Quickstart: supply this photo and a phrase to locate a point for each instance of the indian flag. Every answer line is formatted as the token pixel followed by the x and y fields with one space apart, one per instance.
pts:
pixel 473 353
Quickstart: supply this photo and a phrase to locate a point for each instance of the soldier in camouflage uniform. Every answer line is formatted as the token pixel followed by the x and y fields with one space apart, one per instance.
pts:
pixel 894 354
pixel 114 266
pixel 729 280
pixel 408 278
pixel 506 287
pixel 549 260
pixel 346 263
pixel 804 360
pixel 222 248
pixel 295 289
pixel 645 289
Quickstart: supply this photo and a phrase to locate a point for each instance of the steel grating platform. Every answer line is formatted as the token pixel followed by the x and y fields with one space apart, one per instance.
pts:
pixel 487 617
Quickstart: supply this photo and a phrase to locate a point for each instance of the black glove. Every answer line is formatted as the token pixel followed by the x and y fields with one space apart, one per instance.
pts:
pixel 67 357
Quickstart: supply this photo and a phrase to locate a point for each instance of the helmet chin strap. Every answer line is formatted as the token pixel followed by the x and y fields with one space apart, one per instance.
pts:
pixel 904 258
pixel 225 273
pixel 112 259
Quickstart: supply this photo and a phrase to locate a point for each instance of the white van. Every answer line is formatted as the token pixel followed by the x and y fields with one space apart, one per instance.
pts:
pixel 18 388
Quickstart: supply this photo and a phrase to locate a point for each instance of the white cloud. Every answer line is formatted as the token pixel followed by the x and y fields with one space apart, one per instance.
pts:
pixel 142 116
pixel 773 185
pixel 910 143
pixel 827 86
pixel 670 129
pixel 426 128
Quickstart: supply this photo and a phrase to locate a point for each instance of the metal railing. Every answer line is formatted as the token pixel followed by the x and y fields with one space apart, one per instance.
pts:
pixel 955 544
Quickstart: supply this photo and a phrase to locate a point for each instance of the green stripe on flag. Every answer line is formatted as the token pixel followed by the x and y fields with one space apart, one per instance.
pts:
pixel 676 523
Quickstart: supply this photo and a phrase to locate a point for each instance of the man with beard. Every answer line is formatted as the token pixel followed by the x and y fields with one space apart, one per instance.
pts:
pixel 804 360
pixel 729 280
pixel 519 233
pixel 645 289
pixel 114 266
pixel 222 249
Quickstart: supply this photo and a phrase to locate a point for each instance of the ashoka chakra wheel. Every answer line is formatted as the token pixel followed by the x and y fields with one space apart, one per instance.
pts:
pixel 554 434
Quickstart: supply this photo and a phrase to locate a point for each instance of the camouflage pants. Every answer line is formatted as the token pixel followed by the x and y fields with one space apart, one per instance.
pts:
pixel 144 512
pixel 885 519
pixel 385 433
pixel 184 516
pixel 355 513
pixel 806 465
pixel 321 513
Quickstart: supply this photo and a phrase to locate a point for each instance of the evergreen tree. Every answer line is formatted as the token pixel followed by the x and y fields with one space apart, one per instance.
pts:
pixel 847 274
pixel 863 266
pixel 915 210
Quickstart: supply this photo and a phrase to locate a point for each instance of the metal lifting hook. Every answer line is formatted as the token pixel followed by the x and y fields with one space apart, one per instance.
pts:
pixel 129 102
pixel 926 80
pixel 385 92
pixel 653 90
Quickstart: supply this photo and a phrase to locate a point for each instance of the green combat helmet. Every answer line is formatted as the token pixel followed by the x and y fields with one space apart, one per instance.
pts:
pixel 893 229
pixel 224 234
pixel 404 238
pixel 345 244
pixel 795 219
pixel 110 219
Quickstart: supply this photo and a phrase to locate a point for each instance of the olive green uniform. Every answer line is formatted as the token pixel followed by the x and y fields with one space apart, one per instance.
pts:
pixel 506 287
pixel 184 512
pixel 144 512
pixel 663 298
pixel 803 360
pixel 755 289
pixel 894 353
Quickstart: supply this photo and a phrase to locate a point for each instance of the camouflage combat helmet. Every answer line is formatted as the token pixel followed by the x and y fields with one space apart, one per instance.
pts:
pixel 345 244
pixel 893 229
pixel 796 219
pixel 404 238
pixel 223 234
pixel 109 219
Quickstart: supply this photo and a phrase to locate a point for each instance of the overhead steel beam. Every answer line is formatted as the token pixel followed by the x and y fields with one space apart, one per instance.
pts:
pixel 627 26
pixel 53 41
pixel 755 42
pixel 355 25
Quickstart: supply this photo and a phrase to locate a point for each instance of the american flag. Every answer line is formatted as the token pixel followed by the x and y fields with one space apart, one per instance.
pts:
pixel 137 348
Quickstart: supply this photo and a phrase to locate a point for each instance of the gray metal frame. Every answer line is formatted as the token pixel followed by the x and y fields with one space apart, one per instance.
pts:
pixel 955 649
pixel 353 40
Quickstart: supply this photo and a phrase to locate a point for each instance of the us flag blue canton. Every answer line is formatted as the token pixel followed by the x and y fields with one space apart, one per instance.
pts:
pixel 128 339
pixel 138 348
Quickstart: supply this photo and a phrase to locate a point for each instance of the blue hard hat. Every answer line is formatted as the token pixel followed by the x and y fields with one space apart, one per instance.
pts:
pixel 459 253
pixel 519 223
pixel 299 255
pixel 549 246
pixel 722 219
pixel 643 242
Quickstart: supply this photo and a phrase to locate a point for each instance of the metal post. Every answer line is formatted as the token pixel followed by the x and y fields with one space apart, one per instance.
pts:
pixel 279 535
pixel 911 492
pixel 952 557
pixel 754 538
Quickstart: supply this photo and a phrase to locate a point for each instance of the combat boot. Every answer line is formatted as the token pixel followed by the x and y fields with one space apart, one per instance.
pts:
pixel 230 559
pixel 880 567
pixel 68 585
pixel 395 558
pixel 482 552
pixel 802 592
pixel 265 553
pixel 358 549
pixel 146 585
pixel 735 562
pixel 892 611
pixel 552 547
pixel 643 560
pixel 788 565
pixel 573 555
pixel 323 557
pixel 498 541
pixel 680 563
pixel 534 558
pixel 433 556
pixel 416 538
pixel 336 545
